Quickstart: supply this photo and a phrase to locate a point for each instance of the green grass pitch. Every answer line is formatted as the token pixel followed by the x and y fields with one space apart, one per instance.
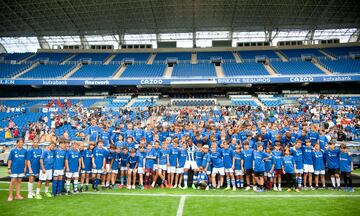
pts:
pixel 166 202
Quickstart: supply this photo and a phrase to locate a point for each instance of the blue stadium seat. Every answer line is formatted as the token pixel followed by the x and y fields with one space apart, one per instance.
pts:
pixel 290 68
pixel 48 71
pixel 244 69
pixel 144 70
pixel 96 71
pixel 243 102
pixel 209 55
pixel 250 55
pixel 342 51
pixel 95 57
pixel 194 70
pixel 16 56
pixel 56 57
pixel 296 53
pixel 181 56
pixel 138 57
pixel 342 66
pixel 10 70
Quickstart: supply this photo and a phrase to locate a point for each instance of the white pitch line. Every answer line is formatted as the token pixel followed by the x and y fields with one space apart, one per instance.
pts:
pixel 181 205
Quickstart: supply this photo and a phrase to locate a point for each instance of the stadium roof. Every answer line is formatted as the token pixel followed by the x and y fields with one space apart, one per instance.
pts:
pixel 22 18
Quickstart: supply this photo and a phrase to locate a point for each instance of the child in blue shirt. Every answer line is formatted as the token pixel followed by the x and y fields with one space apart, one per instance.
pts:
pixel 239 173
pixel 289 167
pixel 16 169
pixel 124 155
pixel 72 164
pixel 269 174
pixel 132 165
pixel 259 166
pixel 98 163
pixel 86 161
pixel 319 167
pixel 115 165
pixel 180 165
pixel 296 151
pixel 247 163
pixel 228 155
pixel 173 159
pixel 308 163
pixel 277 158
pixel 150 159
pixel 46 166
pixel 33 164
pixel 332 161
pixel 346 167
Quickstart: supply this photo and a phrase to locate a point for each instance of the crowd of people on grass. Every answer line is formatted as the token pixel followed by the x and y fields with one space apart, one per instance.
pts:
pixel 202 148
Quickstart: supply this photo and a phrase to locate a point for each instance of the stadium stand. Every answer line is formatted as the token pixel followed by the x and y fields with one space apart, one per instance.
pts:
pixel 210 55
pixel 251 54
pixel 95 57
pixel 16 56
pixel 194 70
pixel 96 71
pixel 342 66
pixel 143 70
pixel 342 51
pixel 244 69
pixel 48 71
pixel 297 53
pixel 137 57
pixel 10 70
pixel 54 57
pixel 181 56
pixel 290 68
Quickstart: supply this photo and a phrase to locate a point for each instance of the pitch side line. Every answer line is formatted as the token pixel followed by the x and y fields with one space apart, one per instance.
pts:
pixel 181 206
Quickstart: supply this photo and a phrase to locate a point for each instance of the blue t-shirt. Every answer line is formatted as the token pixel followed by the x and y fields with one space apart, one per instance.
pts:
pixel 150 159
pixel 116 160
pixel 132 161
pixel 323 141
pixel 47 157
pixel 259 163
pixel 162 156
pixel 238 158
pixel 248 157
pixel 73 160
pixel 289 163
pixel 298 156
pixel 93 132
pixel 318 158
pixel 345 162
pixel 87 156
pixel 173 156
pixel 124 159
pixel 106 136
pixel 307 155
pixel 228 155
pixel 314 137
pixel 217 159
pixel 17 157
pixel 277 159
pixel 141 156
pixel 33 155
pixel 182 158
pixel 332 158
pixel 268 164
pixel 99 155
pixel 199 157
pixel 59 161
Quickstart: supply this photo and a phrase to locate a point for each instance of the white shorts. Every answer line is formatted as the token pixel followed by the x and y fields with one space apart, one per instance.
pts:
pixel 107 167
pixel 85 172
pixel 239 173
pixel 17 175
pixel 123 168
pixel 115 171
pixel 141 170
pixel 190 164
pixel 171 169
pixel 155 167
pixel 72 175
pixel 299 171
pixel 58 173
pixel 97 171
pixel 319 172
pixel 45 176
pixel 162 167
pixel 220 171
pixel 308 168
pixel 230 170
pixel 269 174
pixel 208 172
pixel 179 170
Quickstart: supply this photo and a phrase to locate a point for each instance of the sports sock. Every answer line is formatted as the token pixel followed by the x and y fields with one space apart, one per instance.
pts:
pixel 37 190
pixel 30 188
pixel 241 183
pixel 237 183
pixel 146 180
pixel 227 181
pixel 68 186
pixel 75 185
pixel 338 182
pixel 60 186
pixel 54 186
pixel 122 180
pixel 46 189
pixel 195 178
pixel 233 182
pixel 185 179
pixel 333 181
pixel 299 182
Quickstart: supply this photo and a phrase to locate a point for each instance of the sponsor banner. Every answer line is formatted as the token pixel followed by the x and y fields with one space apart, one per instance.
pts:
pixel 154 81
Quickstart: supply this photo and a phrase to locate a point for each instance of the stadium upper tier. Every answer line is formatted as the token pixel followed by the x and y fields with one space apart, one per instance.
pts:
pixel 290 68
pixel 10 70
pixel 15 56
pixel 194 70
pixel 136 57
pixel 342 66
pixel 244 69
pixel 251 55
pixel 211 55
pixel 342 51
pixel 96 71
pixel 144 70
pixel 298 53
pixel 95 57
pixel 56 57
pixel 48 71
pixel 181 56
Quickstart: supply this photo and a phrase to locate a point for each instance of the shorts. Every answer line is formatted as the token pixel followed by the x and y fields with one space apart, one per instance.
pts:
pixel 72 175
pixel 333 171
pixel 114 171
pixel 308 168
pixel 239 173
pixel 148 170
pixel 162 167
pixel 299 171
pixel 141 170
pixel 208 172
pixel 278 172
pixel 155 166
pixel 17 175
pixel 108 169
pixel 32 174
pixel 123 168
pixel 45 176
pixel 171 169
pixel 130 170
pixel 97 171
pixel 249 171
pixel 179 170
pixel 319 172
pixel 190 164
pixel 220 171
pixel 85 171
pixel 58 173
pixel 269 174
pixel 230 170
pixel 259 174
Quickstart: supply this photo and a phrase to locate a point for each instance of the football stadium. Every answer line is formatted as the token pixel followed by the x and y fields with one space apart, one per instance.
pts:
pixel 168 107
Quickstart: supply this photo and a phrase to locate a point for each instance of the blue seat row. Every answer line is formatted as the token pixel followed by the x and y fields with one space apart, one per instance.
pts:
pixel 96 71
pixel 48 71
pixel 290 68
pixel 244 69
pixel 194 70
